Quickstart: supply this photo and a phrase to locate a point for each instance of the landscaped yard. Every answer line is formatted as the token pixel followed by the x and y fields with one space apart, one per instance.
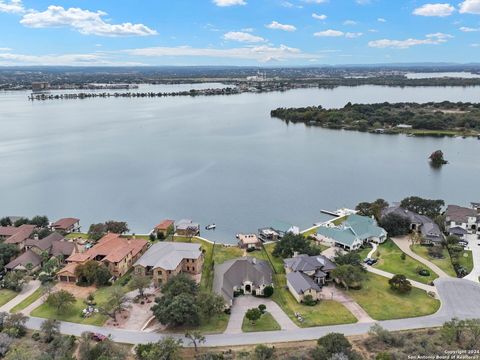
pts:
pixel 77 236
pixel 466 260
pixel 327 312
pixel 222 253
pixel 216 325
pixel 74 313
pixel 390 259
pixel 444 263
pixel 381 303
pixel 265 323
pixel 6 296
pixel 29 300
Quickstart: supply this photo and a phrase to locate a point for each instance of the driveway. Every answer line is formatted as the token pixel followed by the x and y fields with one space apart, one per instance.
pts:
pixel 28 289
pixel 242 303
pixel 459 298
pixel 334 293
pixel 404 244
pixel 473 242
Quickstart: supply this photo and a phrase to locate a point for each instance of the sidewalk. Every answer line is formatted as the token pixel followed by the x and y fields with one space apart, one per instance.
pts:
pixel 27 290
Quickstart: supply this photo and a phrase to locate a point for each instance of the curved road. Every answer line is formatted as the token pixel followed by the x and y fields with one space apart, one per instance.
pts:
pixel 460 298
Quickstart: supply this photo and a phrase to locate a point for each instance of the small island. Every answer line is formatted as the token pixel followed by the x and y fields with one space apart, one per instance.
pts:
pixel 437 159
pixel 429 119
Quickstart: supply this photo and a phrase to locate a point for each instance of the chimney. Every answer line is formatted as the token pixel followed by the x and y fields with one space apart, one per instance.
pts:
pixel 35 237
pixel 295 254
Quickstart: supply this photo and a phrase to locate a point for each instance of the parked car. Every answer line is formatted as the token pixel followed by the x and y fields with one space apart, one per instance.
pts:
pixel 98 337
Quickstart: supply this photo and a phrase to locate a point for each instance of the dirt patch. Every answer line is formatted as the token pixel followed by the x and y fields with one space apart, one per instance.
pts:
pixel 135 317
pixel 80 292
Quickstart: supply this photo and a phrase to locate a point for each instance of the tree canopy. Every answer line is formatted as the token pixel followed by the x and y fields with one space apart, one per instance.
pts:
pixel 395 224
pixel 427 207
pixel 290 243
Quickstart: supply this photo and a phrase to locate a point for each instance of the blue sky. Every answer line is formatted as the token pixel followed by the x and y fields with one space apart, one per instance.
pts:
pixel 237 32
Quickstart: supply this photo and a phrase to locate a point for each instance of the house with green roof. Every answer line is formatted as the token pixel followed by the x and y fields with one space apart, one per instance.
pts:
pixel 355 231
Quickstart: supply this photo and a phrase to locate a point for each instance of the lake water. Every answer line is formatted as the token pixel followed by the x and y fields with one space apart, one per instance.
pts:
pixel 217 159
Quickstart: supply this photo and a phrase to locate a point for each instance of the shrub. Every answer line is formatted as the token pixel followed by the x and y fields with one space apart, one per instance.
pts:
pixel 36 336
pixel 309 300
pixel 262 308
pixel 268 291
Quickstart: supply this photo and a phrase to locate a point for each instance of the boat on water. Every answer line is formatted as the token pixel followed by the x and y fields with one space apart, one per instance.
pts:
pixel 211 227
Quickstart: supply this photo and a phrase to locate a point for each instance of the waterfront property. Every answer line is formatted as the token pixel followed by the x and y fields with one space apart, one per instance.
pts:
pixel 66 225
pixel 113 250
pixel 352 233
pixel 166 259
pixel 163 228
pixel 248 241
pixel 427 228
pixel 244 275
pixel 465 218
pixel 187 227
pixel 301 285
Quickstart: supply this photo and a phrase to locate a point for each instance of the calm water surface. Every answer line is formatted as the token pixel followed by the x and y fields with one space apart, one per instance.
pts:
pixel 217 159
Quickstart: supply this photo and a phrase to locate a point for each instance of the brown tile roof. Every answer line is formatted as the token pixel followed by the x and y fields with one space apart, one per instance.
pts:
pixel 65 223
pixel 69 269
pixel 112 247
pixel 62 247
pixel 164 225
pixel 23 233
pixel 28 257
pixel 8 230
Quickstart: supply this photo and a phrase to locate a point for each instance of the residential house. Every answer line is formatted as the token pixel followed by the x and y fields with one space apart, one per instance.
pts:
pixel 115 251
pixel 246 274
pixel 28 261
pixel 430 232
pixel 7 231
pixel 166 259
pixel 164 227
pixel 186 227
pixel 354 232
pixel 66 225
pixel 248 241
pixel 54 245
pixel 462 217
pixel 301 285
pixel 20 237
pixel 307 274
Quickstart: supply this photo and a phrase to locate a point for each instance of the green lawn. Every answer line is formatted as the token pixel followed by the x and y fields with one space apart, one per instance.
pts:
pixel 466 260
pixel 390 260
pixel 74 313
pixel 215 325
pixel 265 323
pixel 381 303
pixel 326 312
pixel 29 300
pixel 6 296
pixel 445 263
pixel 77 236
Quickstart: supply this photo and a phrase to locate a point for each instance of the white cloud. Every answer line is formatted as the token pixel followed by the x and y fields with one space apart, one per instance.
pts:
pixel 440 10
pixel 319 16
pixel 349 22
pixel 262 53
pixel 337 33
pixel 224 3
pixel 430 39
pixel 12 6
pixel 475 45
pixel 329 33
pixel 468 29
pixel 382 20
pixel 243 37
pixel 363 2
pixel 3 49
pixel 315 1
pixel 470 7
pixel 84 21
pixel 277 26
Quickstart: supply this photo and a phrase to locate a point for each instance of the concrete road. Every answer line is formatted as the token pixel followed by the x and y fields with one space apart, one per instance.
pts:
pixel 460 298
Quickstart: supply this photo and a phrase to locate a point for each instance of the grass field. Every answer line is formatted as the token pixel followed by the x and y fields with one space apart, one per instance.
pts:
pixel 381 303
pixel 29 300
pixel 466 260
pixel 390 259
pixel 265 323
pixel 6 296
pixel 76 236
pixel 326 312
pixel 215 325
pixel 445 263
